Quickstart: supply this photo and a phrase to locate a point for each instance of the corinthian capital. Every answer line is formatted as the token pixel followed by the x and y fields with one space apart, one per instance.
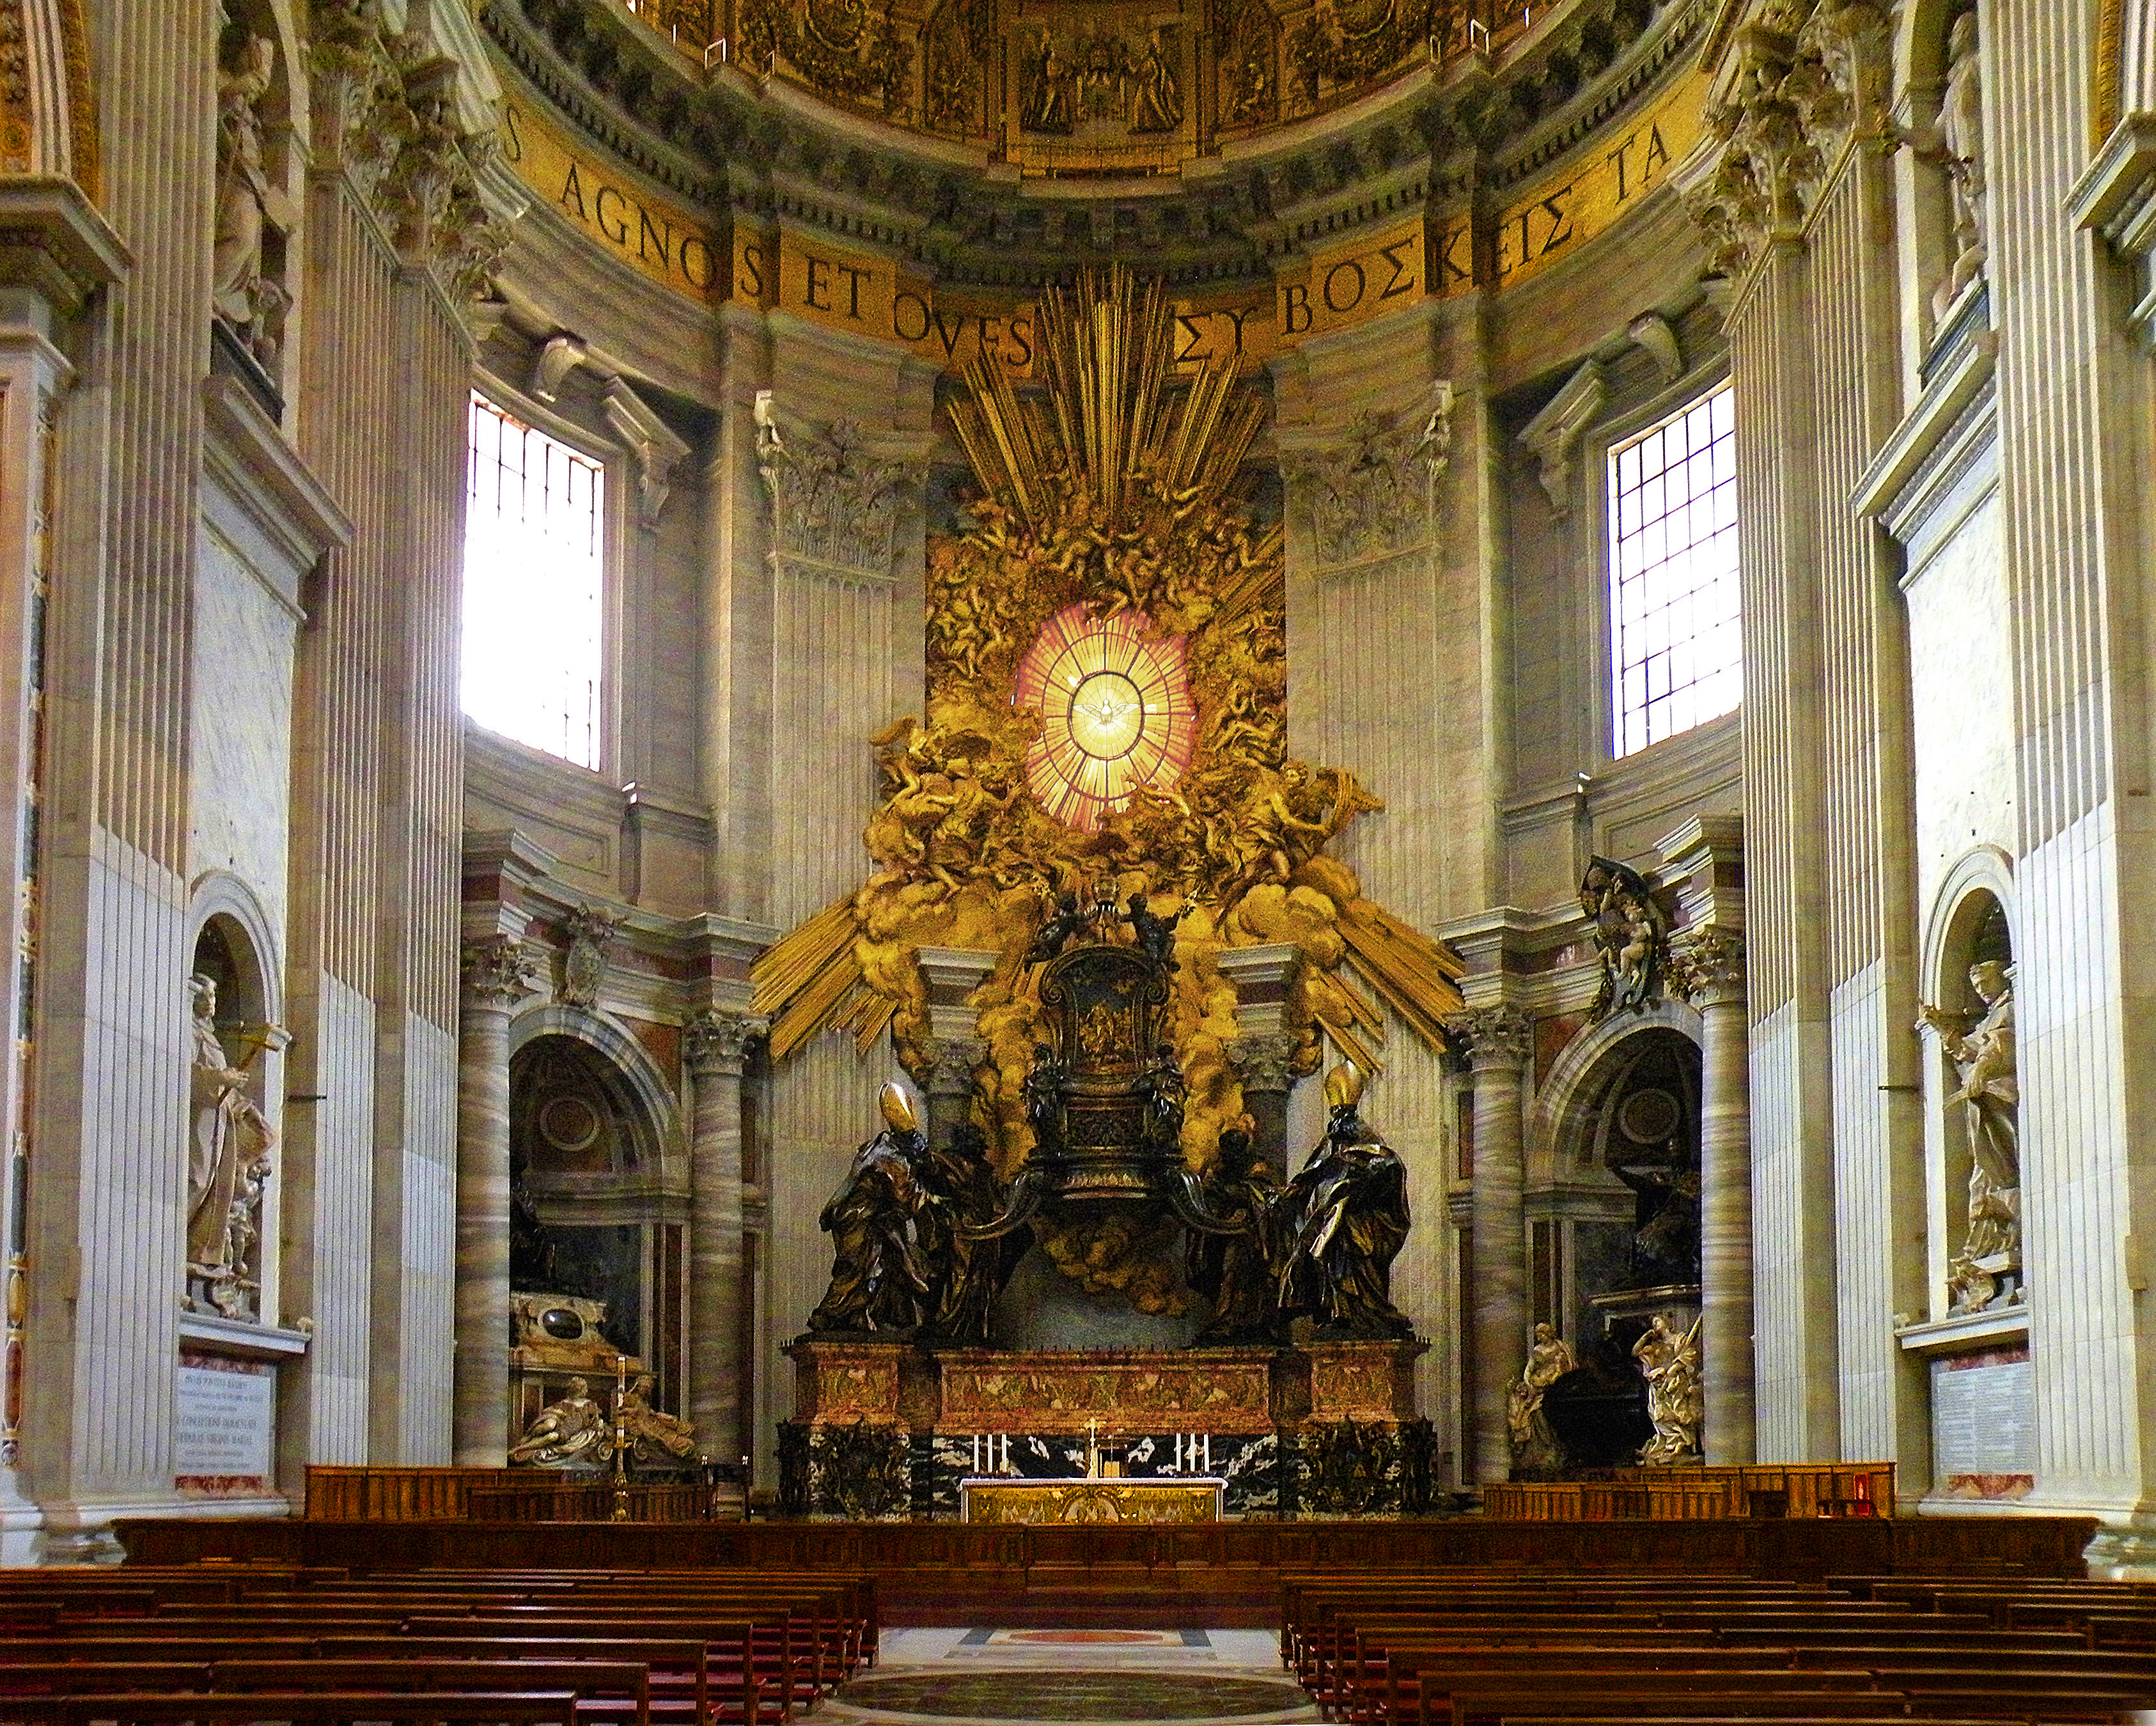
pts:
pixel 497 972
pixel 1708 965
pixel 1376 491
pixel 1498 1035
pixel 1263 1061
pixel 832 501
pixel 951 1063
pixel 717 1041
pixel 1808 75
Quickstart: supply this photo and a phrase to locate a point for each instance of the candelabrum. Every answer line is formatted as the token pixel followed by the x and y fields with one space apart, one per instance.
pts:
pixel 620 1440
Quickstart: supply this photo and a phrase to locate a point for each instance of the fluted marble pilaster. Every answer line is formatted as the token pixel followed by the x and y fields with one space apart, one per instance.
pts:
pixel 1713 963
pixel 497 974
pixel 715 1045
pixel 1498 1041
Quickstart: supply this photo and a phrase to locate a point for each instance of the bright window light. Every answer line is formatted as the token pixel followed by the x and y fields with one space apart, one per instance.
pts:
pixel 1676 653
pixel 534 565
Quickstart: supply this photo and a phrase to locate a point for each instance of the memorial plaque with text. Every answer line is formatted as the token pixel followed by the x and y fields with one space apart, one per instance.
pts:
pixel 224 1426
pixel 1984 1424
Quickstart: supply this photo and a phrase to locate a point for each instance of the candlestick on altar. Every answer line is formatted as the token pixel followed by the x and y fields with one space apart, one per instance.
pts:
pixel 1092 1450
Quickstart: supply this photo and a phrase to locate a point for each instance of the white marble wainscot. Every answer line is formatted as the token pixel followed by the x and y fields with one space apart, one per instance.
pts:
pixel 224 1414
pixel 1983 1393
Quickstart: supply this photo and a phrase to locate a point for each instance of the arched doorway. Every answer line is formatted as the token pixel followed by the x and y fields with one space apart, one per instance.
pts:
pixel 598 1213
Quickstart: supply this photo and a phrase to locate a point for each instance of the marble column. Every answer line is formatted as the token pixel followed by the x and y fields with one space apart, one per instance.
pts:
pixel 497 974
pixel 1713 963
pixel 950 1086
pixel 1261 1062
pixel 1263 977
pixel 715 1043
pixel 1498 1039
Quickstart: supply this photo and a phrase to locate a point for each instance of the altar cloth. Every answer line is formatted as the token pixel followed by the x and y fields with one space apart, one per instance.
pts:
pixel 1000 1499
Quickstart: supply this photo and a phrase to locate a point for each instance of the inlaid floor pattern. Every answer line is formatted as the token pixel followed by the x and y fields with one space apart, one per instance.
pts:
pixel 1007 1676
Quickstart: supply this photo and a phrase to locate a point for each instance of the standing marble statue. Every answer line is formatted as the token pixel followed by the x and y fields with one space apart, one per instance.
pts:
pixel 879 1279
pixel 1959 147
pixel 228 1147
pixel 243 190
pixel 1340 1222
pixel 1990 1095
pixel 1675 1402
pixel 1535 1446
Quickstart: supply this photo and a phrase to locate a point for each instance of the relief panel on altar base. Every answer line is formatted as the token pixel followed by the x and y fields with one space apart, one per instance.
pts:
pixel 1362 1381
pixel 832 1382
pixel 1191 1391
pixel 1249 1462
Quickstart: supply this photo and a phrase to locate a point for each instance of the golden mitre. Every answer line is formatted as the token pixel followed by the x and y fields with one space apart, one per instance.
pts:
pixel 1343 1085
pixel 897 1108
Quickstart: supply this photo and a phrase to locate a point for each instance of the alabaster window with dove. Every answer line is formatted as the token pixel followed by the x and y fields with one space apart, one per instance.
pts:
pixel 1116 713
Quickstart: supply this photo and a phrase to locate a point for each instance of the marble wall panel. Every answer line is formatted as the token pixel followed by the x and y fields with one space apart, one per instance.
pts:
pixel 2082 1333
pixel 1795 1337
pixel 1877 1219
pixel 1961 709
pixel 240 726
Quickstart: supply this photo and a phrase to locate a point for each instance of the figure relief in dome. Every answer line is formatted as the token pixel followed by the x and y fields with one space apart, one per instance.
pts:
pixel 1156 101
pixel 1250 78
pixel 1049 98
pixel 837 23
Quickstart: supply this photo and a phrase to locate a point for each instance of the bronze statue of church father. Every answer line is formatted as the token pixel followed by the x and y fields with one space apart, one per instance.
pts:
pixel 1294 1392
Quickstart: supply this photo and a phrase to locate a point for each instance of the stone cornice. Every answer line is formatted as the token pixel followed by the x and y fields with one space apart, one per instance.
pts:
pixel 728 143
pixel 54 240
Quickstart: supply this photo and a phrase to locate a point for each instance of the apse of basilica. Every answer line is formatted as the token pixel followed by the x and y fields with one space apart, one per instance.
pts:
pixel 1380 745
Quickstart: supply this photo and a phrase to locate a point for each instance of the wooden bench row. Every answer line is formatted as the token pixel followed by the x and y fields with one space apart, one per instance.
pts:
pixel 1766 1489
pixel 711 1647
pixel 1468 1648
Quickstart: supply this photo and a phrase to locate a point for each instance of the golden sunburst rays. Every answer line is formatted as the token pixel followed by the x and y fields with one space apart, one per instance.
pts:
pixel 1118 474
pixel 1116 416
pixel 803 982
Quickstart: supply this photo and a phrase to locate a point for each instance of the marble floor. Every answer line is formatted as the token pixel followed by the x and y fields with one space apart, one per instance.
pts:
pixel 1005 1677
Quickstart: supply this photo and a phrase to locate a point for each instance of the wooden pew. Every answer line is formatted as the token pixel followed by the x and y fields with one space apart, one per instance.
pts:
pixel 606 1691
pixel 310 1707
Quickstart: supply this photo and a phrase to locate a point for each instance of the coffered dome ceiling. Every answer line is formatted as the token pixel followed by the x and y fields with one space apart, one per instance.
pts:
pixel 1001 142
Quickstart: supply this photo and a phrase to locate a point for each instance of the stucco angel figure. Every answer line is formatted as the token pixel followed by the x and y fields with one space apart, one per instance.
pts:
pixel 1675 1404
pixel 228 1158
pixel 571 1433
pixel 880 1277
pixel 1990 1095
pixel 1341 1221
pixel 1535 1446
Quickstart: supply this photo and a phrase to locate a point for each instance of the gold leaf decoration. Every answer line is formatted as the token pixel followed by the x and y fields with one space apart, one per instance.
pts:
pixel 1116 488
